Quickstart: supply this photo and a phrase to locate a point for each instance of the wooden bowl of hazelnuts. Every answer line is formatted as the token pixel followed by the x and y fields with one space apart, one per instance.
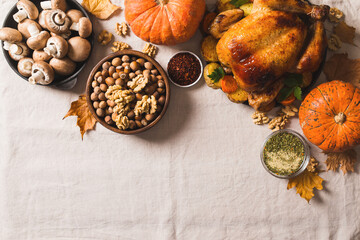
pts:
pixel 128 92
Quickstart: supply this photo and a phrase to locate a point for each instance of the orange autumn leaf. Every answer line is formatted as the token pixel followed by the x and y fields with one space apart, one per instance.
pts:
pixel 305 184
pixel 344 160
pixel 101 9
pixel 345 32
pixel 340 67
pixel 85 120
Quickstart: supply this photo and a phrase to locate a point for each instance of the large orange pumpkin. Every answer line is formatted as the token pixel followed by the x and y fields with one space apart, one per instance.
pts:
pixel 330 116
pixel 164 22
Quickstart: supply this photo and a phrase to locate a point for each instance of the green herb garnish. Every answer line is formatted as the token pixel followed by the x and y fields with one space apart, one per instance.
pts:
pixel 217 74
pixel 238 3
pixel 292 84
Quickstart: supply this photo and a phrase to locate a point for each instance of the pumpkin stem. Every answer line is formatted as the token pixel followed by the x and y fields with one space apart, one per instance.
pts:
pixel 163 2
pixel 340 118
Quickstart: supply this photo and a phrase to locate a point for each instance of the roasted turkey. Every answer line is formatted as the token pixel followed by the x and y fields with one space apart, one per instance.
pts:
pixel 278 37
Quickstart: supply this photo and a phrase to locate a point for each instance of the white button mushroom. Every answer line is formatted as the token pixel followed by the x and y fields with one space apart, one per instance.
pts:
pixel 23 27
pixel 57 21
pixel 39 55
pixel 41 19
pixel 19 51
pixel 38 39
pixel 25 66
pixel 10 36
pixel 41 73
pixel 84 27
pixel 63 66
pixel 79 49
pixel 74 15
pixel 26 9
pixel 57 47
pixel 54 4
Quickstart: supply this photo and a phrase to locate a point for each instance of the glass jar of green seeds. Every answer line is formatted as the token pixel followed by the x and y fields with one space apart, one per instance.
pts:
pixel 285 154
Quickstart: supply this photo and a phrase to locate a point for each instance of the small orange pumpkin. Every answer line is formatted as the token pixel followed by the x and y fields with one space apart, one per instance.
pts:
pixel 164 22
pixel 330 116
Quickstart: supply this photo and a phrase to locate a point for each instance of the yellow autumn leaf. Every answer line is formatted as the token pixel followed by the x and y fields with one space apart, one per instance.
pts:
pixel 85 120
pixel 305 184
pixel 101 9
pixel 345 32
pixel 345 160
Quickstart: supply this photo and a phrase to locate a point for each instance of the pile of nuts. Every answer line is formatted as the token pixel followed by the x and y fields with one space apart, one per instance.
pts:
pixel 47 43
pixel 128 92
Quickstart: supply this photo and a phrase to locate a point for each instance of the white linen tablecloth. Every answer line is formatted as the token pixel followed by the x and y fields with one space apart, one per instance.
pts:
pixel 196 175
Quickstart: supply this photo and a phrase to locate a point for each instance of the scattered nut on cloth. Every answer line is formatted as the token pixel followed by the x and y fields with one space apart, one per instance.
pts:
pixel 122 29
pixel 150 50
pixel 105 37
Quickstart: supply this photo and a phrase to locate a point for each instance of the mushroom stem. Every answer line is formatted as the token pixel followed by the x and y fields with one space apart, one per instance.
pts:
pixel 50 49
pixel 16 49
pixel 59 19
pixel 7 45
pixel 36 77
pixel 45 5
pixel 33 30
pixel 20 15
pixel 74 26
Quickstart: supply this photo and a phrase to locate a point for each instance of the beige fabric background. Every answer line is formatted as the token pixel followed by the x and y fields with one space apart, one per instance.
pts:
pixel 196 175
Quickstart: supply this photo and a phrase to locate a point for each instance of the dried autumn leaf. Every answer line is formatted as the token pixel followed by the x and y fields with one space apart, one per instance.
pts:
pixel 345 32
pixel 305 184
pixel 344 160
pixel 101 9
pixel 85 120
pixel 340 67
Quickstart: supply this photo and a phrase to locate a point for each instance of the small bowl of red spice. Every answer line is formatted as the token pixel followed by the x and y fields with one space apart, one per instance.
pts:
pixel 185 69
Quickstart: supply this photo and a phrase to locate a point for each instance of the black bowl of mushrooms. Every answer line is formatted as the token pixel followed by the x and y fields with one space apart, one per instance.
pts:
pixel 47 42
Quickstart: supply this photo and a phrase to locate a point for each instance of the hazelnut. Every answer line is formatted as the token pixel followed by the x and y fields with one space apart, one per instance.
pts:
pixel 97 74
pixel 141 61
pixel 127 69
pixel 138 124
pixel 119 69
pixel 112 70
pixel 132 124
pixel 150 117
pixel 159 77
pixel 138 72
pixel 110 81
pixel 106 65
pixel 153 78
pixel 159 108
pixel 96 104
pixel 103 87
pixel 161 100
pixel 155 72
pixel 135 66
pixel 102 104
pixel 156 95
pixel 97 90
pixel 125 64
pixel 124 76
pixel 161 84
pixel 94 84
pixel 100 112
pixel 144 122
pixel 125 58
pixel 116 62
pixel 138 96
pixel 100 79
pixel 160 90
pixel 146 72
pixel 94 97
pixel 119 81
pixel 148 65
pixel 108 120
pixel 149 90
pixel 105 73
pixel 138 118
pixel 131 115
pixel 102 96
pixel 109 111
pixel 132 75
pixel 111 103
pixel 116 75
